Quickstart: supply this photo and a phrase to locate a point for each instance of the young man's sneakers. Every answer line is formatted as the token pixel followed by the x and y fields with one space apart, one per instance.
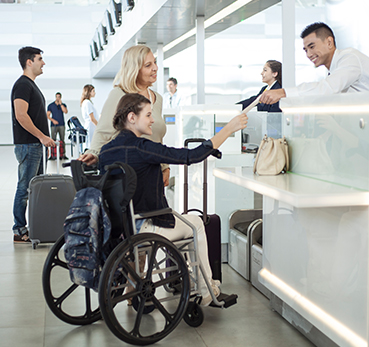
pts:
pixel 22 238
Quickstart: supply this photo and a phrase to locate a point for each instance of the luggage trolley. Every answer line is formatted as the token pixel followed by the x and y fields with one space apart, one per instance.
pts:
pixel 146 268
pixel 77 134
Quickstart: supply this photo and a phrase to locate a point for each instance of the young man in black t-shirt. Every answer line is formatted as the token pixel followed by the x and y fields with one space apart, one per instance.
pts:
pixel 30 132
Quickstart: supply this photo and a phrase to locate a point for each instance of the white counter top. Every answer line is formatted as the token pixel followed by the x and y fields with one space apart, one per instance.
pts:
pixel 298 191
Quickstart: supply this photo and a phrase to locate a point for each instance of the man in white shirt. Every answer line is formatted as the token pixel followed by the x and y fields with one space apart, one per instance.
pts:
pixel 172 98
pixel 348 69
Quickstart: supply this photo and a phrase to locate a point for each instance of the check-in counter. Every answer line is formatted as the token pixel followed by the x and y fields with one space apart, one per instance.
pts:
pixel 315 219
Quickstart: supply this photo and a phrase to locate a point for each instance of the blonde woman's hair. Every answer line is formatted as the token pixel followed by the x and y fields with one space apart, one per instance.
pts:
pixel 86 92
pixel 132 61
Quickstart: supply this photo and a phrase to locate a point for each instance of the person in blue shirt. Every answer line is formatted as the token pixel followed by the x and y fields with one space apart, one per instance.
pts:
pixel 55 113
pixel 272 76
pixel 133 119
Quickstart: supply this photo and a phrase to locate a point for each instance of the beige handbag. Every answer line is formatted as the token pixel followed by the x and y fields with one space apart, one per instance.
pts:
pixel 272 157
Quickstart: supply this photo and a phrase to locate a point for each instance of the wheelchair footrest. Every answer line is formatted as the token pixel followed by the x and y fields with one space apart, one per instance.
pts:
pixel 229 300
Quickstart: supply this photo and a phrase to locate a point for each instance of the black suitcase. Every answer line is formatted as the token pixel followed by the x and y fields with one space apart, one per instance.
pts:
pixel 49 199
pixel 211 222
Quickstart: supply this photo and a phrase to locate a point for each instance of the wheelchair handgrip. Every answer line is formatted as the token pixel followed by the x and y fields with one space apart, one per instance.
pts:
pixel 114 166
pixel 187 141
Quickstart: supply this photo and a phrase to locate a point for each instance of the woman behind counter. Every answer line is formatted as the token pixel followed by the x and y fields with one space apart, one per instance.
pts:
pixel 272 76
pixel 89 112
pixel 137 73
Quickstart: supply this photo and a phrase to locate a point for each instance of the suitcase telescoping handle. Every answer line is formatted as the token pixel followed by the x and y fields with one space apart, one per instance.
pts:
pixel 44 156
pixel 204 186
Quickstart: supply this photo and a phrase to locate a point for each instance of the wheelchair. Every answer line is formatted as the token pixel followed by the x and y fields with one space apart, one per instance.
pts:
pixel 147 284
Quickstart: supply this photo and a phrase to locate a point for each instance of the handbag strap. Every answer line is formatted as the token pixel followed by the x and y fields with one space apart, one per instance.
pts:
pixel 263 141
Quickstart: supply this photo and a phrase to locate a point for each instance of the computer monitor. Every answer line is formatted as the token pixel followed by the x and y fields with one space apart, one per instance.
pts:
pixel 127 5
pixel 97 39
pixel 109 23
pixel 116 13
pixel 103 34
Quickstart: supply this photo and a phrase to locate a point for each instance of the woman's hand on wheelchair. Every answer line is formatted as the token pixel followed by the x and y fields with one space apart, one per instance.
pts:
pixel 88 158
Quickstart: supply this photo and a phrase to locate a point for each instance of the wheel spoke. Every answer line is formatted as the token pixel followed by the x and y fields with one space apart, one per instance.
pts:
pixel 88 302
pixel 167 280
pixel 162 309
pixel 58 262
pixel 68 292
pixel 130 270
pixel 117 299
pixel 136 329
pixel 151 261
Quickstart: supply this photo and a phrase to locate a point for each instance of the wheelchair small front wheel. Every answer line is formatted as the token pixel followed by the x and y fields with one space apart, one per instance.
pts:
pixel 194 315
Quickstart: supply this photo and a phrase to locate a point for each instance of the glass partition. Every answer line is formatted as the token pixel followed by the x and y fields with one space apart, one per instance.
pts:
pixel 328 137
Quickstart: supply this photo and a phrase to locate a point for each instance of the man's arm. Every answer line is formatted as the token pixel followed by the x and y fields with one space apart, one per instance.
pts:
pixel 347 71
pixel 48 114
pixel 272 96
pixel 64 108
pixel 21 109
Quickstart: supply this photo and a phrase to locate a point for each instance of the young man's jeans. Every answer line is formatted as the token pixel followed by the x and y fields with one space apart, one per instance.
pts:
pixel 29 157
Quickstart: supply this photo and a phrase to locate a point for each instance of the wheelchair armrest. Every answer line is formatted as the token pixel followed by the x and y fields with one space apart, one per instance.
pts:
pixel 153 213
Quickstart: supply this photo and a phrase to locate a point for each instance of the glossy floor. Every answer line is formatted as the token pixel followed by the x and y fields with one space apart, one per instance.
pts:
pixel 25 319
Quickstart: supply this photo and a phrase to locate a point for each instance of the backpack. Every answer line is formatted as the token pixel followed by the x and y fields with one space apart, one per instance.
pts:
pixel 91 230
pixel 87 229
pixel 75 126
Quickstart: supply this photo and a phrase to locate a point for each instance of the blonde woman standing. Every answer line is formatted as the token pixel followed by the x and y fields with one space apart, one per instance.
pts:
pixel 138 72
pixel 89 112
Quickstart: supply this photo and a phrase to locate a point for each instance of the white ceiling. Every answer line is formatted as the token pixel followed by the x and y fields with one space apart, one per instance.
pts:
pixel 57 2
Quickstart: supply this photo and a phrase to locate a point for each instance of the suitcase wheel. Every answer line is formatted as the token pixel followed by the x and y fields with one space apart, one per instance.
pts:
pixel 35 243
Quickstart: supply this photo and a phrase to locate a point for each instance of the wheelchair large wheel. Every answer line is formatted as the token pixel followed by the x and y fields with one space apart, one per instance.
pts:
pixel 71 303
pixel 150 288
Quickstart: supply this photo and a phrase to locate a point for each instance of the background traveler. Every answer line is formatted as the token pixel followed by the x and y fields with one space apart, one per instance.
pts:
pixel 89 112
pixel 30 132
pixel 172 98
pixel 55 113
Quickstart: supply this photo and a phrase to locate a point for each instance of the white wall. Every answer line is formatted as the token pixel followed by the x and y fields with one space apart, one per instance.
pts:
pixel 64 34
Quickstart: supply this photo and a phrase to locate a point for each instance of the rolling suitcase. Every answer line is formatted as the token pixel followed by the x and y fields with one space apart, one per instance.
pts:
pixel 211 222
pixel 49 199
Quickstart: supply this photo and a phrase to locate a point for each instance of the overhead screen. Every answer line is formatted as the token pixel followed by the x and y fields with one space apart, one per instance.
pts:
pixel 116 13
pixel 109 23
pixel 103 34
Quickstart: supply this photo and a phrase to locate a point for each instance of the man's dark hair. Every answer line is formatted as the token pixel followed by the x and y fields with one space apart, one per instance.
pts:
pixel 128 103
pixel 26 53
pixel 58 93
pixel 320 29
pixel 172 79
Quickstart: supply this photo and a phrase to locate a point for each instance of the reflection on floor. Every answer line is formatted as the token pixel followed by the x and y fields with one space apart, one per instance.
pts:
pixel 25 319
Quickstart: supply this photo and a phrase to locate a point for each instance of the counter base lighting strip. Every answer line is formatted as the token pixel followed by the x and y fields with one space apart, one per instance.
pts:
pixel 332 324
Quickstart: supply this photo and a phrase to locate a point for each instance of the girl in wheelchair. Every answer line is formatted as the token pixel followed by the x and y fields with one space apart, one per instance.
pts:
pixel 133 119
